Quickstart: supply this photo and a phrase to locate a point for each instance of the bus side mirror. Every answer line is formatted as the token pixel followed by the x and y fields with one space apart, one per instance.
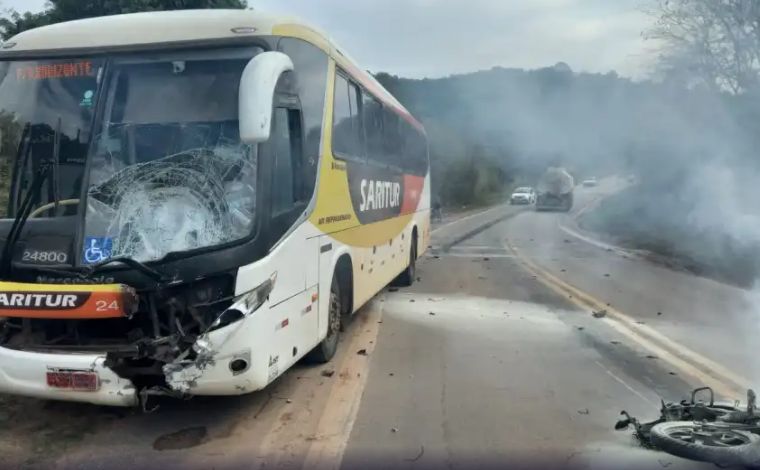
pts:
pixel 256 95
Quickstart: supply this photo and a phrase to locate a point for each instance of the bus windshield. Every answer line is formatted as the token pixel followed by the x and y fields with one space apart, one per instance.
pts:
pixel 46 110
pixel 150 140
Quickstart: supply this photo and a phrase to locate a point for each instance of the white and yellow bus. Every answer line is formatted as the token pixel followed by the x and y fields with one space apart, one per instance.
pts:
pixel 193 201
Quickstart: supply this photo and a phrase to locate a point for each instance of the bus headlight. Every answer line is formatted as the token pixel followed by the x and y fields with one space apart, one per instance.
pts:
pixel 245 304
pixel 256 297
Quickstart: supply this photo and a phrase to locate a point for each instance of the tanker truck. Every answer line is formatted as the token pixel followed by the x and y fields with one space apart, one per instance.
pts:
pixel 555 190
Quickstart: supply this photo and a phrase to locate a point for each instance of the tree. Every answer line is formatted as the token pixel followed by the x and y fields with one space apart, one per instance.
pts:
pixel 66 10
pixel 715 41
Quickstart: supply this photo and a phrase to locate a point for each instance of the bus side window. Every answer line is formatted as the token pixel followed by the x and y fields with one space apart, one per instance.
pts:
pixel 287 145
pixel 348 135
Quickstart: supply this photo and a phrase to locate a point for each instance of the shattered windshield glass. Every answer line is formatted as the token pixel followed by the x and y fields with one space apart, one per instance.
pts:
pixel 169 172
pixel 46 110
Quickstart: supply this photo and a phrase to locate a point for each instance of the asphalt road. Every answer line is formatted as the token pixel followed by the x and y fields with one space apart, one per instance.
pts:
pixel 493 358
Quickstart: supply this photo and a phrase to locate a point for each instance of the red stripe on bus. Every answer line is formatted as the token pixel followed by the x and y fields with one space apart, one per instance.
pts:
pixel 412 193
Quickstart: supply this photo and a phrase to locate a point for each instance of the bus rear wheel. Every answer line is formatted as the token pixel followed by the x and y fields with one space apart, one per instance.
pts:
pixel 327 348
pixel 406 278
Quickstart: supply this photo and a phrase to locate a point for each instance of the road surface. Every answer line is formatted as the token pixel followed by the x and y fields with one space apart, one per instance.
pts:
pixel 493 358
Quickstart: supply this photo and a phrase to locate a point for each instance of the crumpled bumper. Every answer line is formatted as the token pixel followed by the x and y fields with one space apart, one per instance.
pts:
pixel 25 373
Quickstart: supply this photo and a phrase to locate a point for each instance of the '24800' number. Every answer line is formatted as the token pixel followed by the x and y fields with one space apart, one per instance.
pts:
pixel 45 256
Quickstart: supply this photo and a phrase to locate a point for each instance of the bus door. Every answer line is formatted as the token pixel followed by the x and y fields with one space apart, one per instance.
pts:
pixel 296 255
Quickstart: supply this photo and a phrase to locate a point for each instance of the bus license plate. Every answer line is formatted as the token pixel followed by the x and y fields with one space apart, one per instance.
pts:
pixel 80 381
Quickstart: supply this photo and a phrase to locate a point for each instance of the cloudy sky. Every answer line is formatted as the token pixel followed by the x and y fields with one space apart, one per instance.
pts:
pixel 433 38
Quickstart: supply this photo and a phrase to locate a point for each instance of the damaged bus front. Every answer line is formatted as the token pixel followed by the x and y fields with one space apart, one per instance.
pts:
pixel 132 188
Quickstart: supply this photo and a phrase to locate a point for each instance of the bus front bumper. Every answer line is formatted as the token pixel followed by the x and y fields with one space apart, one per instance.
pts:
pixel 26 373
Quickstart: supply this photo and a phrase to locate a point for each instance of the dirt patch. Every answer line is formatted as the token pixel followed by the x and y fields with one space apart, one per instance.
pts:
pixel 33 432
pixel 182 439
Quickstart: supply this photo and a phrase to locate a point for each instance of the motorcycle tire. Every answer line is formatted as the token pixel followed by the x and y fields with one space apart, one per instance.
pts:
pixel 718 444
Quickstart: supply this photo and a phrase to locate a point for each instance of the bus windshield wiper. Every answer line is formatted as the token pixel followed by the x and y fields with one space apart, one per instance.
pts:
pixel 130 262
pixel 31 198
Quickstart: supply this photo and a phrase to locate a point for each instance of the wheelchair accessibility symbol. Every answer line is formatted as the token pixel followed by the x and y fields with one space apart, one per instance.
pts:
pixel 97 249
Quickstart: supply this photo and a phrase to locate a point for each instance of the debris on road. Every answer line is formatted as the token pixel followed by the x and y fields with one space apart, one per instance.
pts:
pixel 432 314
pixel 641 323
pixel 362 352
pixel 411 301
pixel 419 279
pixel 584 411
pixel 482 278
pixel 567 240
pixel 659 314
pixel 616 343
pixel 288 401
pixel 580 328
pixel 328 373
pixel 390 374
pixel 486 259
pixel 394 430
pixel 607 275
pixel 599 314
pixel 564 270
pixel 393 289
pixel 419 456
pixel 650 356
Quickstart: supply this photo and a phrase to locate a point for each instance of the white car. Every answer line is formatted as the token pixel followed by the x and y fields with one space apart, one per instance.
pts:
pixel 590 183
pixel 524 195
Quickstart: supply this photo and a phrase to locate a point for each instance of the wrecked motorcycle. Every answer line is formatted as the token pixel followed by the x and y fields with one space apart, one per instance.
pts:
pixel 719 433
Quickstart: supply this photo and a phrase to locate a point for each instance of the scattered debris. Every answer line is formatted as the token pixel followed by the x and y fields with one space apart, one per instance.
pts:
pixel 288 401
pixel 567 240
pixel 394 430
pixel 419 279
pixel 411 301
pixel 482 278
pixel 328 373
pixel 659 314
pixel 584 411
pixel 390 374
pixel 616 343
pixel 432 314
pixel 362 352
pixel 664 464
pixel 580 328
pixel 564 270
pixel 599 314
pixel 436 257
pixel 650 356
pixel 419 456
pixel 607 275
pixel 672 373
pixel 641 323
pixel 609 250
pixel 486 259
pixel 393 289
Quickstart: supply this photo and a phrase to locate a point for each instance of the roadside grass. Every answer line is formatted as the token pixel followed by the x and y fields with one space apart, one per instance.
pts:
pixel 658 224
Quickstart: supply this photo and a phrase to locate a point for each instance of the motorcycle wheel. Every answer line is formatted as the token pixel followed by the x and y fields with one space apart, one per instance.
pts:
pixel 720 444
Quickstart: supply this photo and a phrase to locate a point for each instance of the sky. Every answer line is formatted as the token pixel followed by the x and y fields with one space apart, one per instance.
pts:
pixel 434 38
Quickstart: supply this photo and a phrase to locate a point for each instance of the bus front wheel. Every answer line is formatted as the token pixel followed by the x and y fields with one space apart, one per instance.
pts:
pixel 327 348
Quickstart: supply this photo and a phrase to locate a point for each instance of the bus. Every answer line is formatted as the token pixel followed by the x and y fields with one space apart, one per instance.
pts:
pixel 193 201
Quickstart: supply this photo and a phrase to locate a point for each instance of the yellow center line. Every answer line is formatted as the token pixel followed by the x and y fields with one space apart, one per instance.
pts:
pixel 701 370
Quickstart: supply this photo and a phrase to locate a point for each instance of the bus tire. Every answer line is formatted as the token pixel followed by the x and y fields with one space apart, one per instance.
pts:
pixel 406 278
pixel 327 348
